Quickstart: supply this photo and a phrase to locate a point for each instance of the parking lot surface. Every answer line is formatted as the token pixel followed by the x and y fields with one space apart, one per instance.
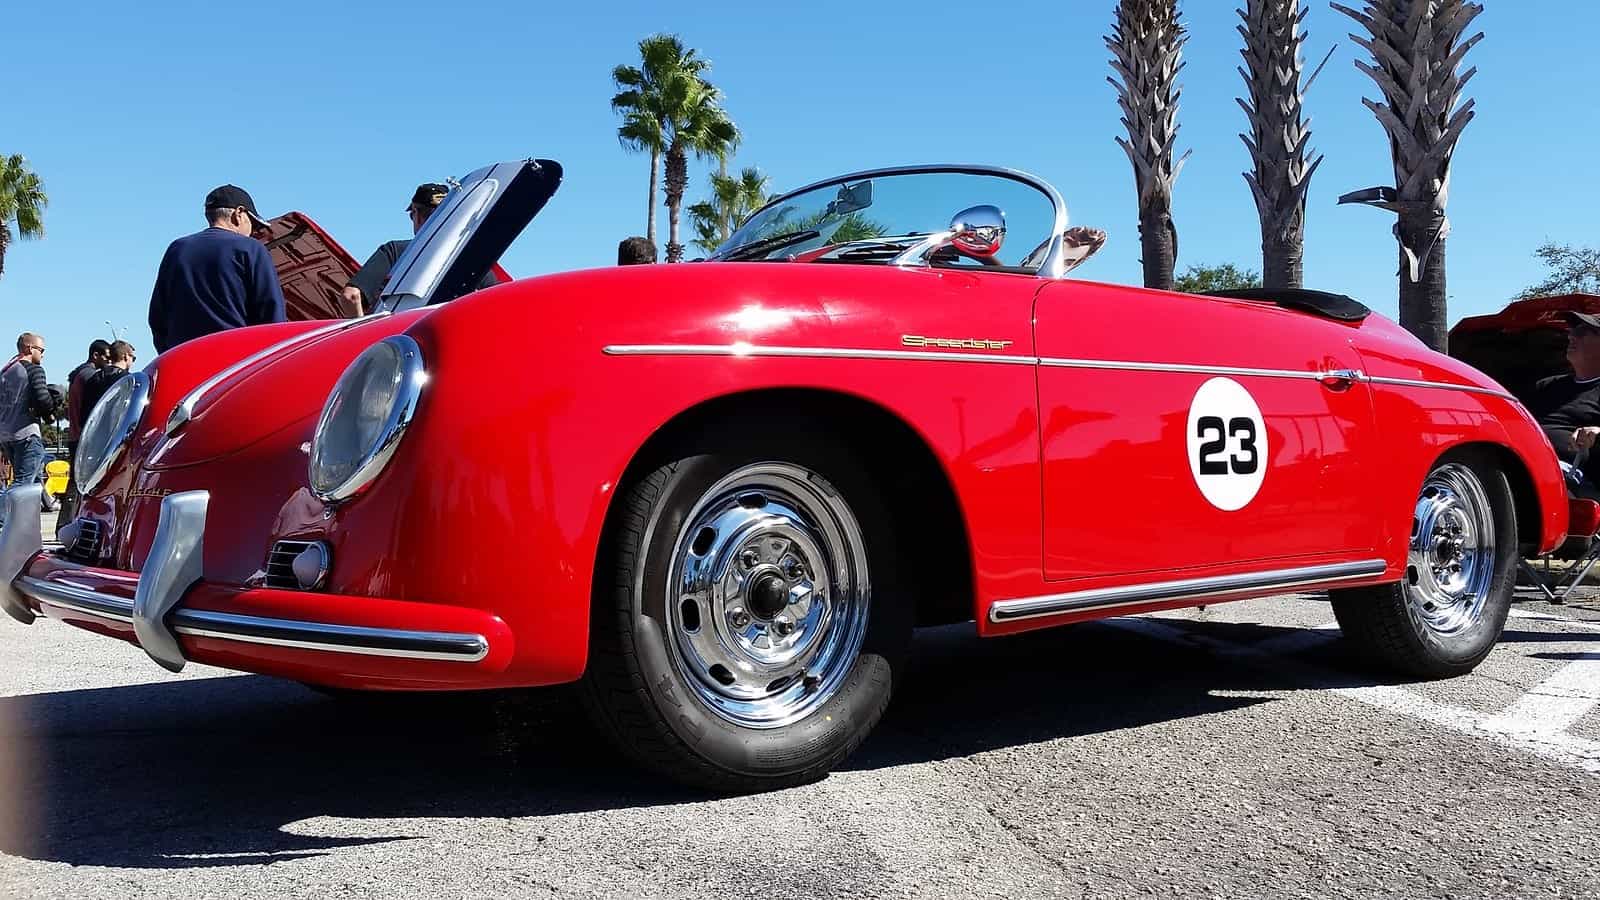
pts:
pixel 1231 751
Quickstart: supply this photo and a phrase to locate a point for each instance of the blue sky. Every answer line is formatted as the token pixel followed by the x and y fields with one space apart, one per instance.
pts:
pixel 132 112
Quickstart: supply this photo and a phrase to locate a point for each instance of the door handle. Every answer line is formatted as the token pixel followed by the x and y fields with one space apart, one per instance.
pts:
pixel 1339 379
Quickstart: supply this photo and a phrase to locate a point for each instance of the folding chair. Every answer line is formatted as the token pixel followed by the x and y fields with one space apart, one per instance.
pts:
pixel 1581 547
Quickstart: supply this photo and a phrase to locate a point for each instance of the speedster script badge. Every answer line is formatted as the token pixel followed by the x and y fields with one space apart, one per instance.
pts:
pixel 1227 444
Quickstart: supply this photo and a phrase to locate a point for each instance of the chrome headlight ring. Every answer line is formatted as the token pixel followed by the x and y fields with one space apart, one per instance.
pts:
pixel 365 417
pixel 109 427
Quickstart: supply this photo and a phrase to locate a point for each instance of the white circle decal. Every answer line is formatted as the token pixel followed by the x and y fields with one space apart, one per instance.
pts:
pixel 1227 444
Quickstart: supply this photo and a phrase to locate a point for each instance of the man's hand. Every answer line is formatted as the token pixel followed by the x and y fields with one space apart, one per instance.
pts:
pixel 1585 437
pixel 352 295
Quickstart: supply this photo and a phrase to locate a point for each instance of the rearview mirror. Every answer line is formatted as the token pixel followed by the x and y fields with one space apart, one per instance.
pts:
pixel 851 198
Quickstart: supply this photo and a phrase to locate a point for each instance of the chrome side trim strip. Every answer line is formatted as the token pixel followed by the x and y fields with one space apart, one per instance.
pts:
pixel 739 349
pixel 1439 385
pixel 1189 588
pixel 1058 362
pixel 1182 368
pixel 357 639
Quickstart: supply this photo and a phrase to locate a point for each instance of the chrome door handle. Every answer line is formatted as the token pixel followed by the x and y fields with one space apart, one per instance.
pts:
pixel 1339 379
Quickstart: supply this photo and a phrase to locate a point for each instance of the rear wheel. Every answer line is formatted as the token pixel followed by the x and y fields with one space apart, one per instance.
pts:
pixel 1448 611
pixel 746 634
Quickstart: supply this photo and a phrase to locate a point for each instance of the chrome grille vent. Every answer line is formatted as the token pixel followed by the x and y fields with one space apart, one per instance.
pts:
pixel 280 564
pixel 86 546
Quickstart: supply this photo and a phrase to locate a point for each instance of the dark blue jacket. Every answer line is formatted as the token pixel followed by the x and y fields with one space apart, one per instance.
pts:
pixel 211 281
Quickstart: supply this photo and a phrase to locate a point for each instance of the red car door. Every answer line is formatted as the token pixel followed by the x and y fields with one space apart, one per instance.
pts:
pixel 1189 433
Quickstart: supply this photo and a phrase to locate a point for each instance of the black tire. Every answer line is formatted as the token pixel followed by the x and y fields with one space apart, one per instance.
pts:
pixel 1401 625
pixel 638 688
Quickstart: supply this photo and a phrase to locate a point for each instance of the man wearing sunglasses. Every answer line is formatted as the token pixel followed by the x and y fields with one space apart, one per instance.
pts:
pixel 1568 406
pixel 218 278
pixel 25 399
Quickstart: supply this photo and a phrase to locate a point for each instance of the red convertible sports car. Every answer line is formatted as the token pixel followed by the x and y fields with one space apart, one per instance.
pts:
pixel 720 495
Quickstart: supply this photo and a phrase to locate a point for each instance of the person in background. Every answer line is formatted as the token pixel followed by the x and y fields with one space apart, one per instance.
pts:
pixel 1567 407
pixel 25 398
pixel 99 357
pixel 122 359
pixel 635 251
pixel 367 285
pixel 218 278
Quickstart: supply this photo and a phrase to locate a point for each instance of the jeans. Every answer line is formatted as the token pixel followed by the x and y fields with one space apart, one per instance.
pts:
pixel 27 460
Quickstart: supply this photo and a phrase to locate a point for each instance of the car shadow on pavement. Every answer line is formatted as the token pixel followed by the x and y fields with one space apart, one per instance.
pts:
pixel 225 771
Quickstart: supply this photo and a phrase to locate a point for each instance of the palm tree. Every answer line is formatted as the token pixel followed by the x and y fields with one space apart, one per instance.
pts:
pixel 1146 43
pixel 693 121
pixel 1279 138
pixel 22 200
pixel 640 101
pixel 732 201
pixel 1417 48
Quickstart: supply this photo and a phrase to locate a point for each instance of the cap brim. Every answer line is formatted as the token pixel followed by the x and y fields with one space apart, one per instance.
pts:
pixel 259 222
pixel 1574 317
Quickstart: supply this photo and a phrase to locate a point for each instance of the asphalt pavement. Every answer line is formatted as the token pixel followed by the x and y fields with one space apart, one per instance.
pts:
pixel 1228 752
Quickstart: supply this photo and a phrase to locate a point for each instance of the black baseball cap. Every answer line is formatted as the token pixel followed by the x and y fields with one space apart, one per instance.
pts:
pixel 1577 318
pixel 231 196
pixel 428 196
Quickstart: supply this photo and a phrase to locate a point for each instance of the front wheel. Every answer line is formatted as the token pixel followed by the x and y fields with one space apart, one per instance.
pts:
pixel 1448 611
pixel 746 634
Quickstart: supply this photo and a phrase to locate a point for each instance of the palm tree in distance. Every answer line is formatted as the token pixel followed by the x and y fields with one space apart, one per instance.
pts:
pixel 732 201
pixel 1146 44
pixel 22 200
pixel 670 111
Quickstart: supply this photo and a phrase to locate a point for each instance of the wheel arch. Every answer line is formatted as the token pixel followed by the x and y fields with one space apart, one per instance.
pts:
pixel 1524 496
pixel 919 491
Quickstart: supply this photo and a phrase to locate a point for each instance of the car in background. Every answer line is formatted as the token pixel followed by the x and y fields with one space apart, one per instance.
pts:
pixel 719 496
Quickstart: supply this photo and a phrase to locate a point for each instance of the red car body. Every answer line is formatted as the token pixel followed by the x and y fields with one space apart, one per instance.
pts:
pixel 1051 411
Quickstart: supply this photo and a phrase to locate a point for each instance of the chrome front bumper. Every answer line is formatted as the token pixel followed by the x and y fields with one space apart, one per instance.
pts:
pixel 173 567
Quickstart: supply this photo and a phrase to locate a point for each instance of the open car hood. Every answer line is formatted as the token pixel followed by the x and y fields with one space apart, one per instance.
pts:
pixel 312 268
pixel 289 382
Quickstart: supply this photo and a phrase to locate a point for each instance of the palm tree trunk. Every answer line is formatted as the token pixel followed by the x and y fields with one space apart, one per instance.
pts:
pixel 1283 256
pixel 5 242
pixel 650 217
pixel 1423 302
pixel 677 182
pixel 1158 239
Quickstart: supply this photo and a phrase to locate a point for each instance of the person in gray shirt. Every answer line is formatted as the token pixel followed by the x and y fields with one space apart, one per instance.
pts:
pixel 25 398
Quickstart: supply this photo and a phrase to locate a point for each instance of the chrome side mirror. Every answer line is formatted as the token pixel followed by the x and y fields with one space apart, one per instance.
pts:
pixel 978 231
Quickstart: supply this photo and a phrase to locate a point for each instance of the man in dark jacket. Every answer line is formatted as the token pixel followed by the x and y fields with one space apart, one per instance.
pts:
pixel 25 398
pixel 122 360
pixel 1567 406
pixel 99 357
pixel 216 279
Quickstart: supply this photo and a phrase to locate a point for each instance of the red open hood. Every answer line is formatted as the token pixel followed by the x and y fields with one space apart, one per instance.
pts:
pixel 313 269
pixel 1522 343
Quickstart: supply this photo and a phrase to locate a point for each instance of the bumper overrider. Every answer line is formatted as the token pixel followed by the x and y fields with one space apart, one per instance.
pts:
pixel 170 604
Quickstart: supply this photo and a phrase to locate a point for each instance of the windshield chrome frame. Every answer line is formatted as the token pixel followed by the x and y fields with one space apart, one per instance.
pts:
pixel 1054 265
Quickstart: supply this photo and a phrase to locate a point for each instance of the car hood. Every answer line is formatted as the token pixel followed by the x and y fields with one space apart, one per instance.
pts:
pixel 312 268
pixel 283 386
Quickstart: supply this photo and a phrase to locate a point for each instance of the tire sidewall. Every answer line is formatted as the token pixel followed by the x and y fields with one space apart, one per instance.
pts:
pixel 1470 646
pixel 830 731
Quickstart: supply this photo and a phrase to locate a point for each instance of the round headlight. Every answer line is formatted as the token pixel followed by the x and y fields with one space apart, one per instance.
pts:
pixel 108 428
pixel 364 417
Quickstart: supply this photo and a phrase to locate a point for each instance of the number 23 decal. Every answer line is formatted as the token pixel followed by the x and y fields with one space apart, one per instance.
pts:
pixel 1227 443
pixel 1216 434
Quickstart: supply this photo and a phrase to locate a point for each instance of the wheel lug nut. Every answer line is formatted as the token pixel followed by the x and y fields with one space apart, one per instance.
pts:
pixel 783 625
pixel 738 617
pixel 749 558
pixel 792 569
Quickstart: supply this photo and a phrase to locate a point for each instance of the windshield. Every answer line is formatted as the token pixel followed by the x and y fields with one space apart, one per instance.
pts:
pixel 873 218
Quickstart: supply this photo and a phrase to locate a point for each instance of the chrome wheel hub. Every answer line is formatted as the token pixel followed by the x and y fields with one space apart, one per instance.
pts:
pixel 771 592
pixel 1451 558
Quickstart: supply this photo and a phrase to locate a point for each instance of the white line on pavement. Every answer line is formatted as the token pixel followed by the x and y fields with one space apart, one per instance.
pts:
pixel 1540 729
